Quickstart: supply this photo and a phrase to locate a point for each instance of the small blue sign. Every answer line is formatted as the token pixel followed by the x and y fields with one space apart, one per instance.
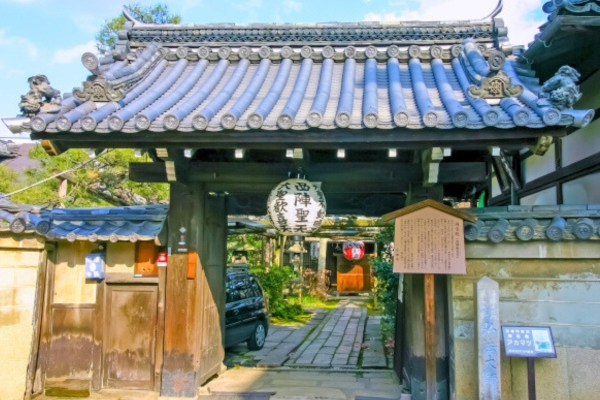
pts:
pixel 528 341
pixel 95 266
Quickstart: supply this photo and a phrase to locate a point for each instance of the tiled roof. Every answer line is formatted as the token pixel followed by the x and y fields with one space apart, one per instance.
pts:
pixel 310 77
pixel 572 7
pixel 330 33
pixel 524 223
pixel 374 87
pixel 94 224
pixel 19 159
pixel 8 149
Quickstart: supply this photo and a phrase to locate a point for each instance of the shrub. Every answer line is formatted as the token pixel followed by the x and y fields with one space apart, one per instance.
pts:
pixel 273 281
pixel 386 281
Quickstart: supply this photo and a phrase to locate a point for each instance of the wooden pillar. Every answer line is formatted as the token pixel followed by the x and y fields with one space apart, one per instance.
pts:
pixel 179 372
pixel 194 303
pixel 425 324
pixel 322 266
pixel 413 345
pixel 430 338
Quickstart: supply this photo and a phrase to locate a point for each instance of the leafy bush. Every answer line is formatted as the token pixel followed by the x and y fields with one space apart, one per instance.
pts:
pixel 273 281
pixel 386 281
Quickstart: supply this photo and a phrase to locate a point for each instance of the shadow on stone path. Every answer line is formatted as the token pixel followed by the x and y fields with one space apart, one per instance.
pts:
pixel 319 360
pixel 330 339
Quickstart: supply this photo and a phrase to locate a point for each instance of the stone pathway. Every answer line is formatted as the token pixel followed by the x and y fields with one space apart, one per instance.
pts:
pixel 281 341
pixel 330 339
pixel 373 350
pixel 336 341
pixel 313 384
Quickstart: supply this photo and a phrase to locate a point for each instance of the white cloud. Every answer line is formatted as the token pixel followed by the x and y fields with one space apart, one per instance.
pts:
pixel 67 56
pixel 292 5
pixel 516 14
pixel 18 41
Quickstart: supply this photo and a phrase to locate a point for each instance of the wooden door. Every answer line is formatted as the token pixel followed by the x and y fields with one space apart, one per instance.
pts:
pixel 353 276
pixel 130 336
pixel 212 290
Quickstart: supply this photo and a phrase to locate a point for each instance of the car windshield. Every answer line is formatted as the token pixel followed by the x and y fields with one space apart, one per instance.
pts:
pixel 241 287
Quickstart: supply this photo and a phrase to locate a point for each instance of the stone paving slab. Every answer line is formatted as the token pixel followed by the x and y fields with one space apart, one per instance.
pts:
pixel 299 384
pixel 334 339
pixel 340 334
pixel 374 352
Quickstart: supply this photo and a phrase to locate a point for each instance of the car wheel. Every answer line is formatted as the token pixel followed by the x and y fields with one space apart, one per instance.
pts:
pixel 258 337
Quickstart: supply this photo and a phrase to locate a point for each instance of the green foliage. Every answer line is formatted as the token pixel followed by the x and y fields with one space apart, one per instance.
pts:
pixel 247 241
pixel 102 182
pixel 156 14
pixel 7 179
pixel 386 281
pixel 273 282
pixel 314 302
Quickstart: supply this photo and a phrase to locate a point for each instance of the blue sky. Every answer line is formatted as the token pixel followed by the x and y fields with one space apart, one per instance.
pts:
pixel 48 36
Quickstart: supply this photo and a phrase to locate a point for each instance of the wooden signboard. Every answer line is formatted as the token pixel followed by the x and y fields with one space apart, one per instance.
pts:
pixel 429 239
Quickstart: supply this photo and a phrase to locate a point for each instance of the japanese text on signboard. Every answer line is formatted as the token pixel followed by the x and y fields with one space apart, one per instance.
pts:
pixel 429 241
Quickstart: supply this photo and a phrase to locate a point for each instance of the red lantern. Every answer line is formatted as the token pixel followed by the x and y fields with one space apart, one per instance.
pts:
pixel 354 251
pixel 161 259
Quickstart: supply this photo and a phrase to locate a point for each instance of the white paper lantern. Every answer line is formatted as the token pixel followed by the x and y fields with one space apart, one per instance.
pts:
pixel 296 207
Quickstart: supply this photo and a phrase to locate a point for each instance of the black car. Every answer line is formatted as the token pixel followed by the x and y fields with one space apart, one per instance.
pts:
pixel 246 316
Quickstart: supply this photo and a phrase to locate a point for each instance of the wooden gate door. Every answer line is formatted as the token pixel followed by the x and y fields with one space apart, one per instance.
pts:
pixel 130 336
pixel 353 276
pixel 213 287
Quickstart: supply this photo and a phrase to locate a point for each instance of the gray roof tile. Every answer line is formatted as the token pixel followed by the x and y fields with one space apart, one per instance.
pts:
pixel 93 224
pixel 366 89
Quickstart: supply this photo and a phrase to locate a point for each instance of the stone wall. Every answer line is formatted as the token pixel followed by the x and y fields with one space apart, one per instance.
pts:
pixel 548 284
pixel 19 262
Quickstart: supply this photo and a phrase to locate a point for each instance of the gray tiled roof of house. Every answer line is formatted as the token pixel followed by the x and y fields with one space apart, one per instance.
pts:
pixel 19 159
pixel 8 149
pixel 223 77
pixel 524 223
pixel 555 8
pixel 91 224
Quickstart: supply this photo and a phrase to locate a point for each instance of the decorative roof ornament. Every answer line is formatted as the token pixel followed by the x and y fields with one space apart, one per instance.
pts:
pixel 106 85
pixel 561 91
pixel 491 82
pixel 496 87
pixel 41 98
pixel 97 88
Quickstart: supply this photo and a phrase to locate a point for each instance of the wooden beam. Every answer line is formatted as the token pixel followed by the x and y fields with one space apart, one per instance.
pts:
pixel 37 324
pixel 349 139
pixel 430 162
pixel 573 171
pixel 512 175
pixel 367 204
pixel 175 164
pixel 258 177
pixel 503 180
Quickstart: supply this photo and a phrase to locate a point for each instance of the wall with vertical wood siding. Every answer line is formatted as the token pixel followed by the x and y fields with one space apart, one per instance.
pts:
pixel 546 284
pixel 19 262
